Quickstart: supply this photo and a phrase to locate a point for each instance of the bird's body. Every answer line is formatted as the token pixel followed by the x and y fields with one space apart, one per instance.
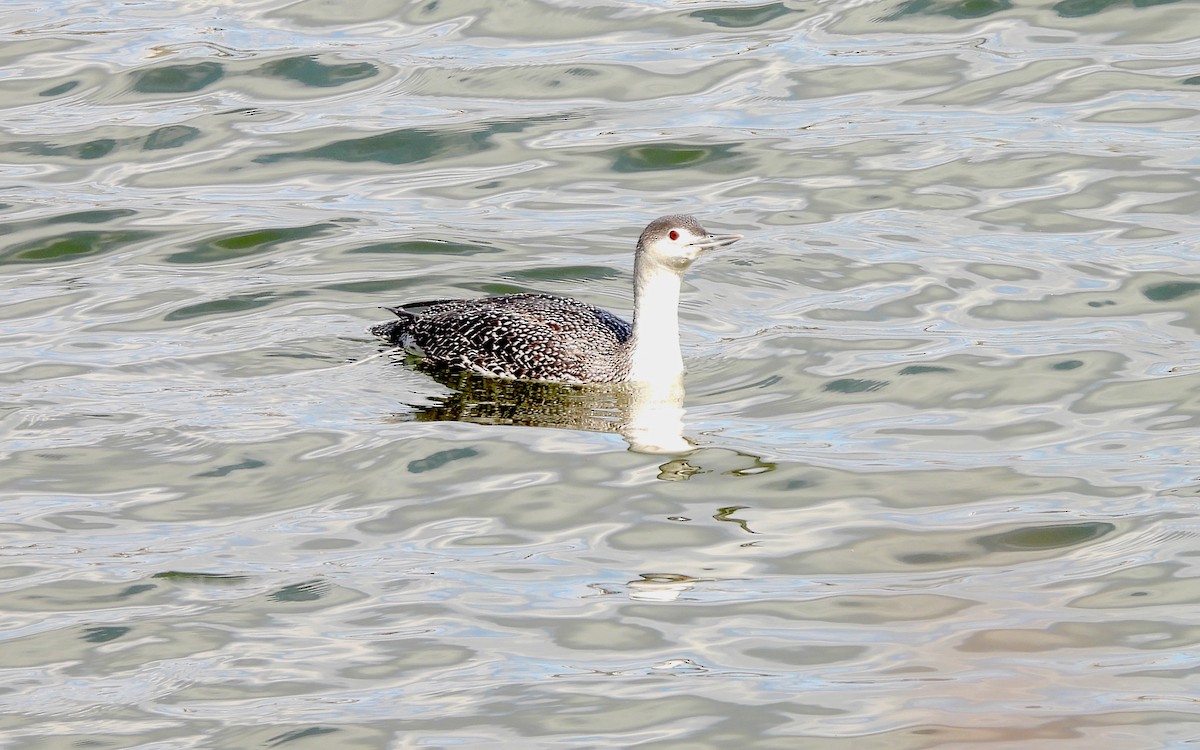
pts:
pixel 553 338
pixel 558 336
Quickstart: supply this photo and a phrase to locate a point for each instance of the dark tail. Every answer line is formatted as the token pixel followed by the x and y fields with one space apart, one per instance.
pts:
pixel 393 330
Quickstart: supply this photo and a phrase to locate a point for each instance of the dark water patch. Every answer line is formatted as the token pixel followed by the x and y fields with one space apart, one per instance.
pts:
pixel 564 273
pixel 933 558
pixel 792 485
pixel 247 244
pixel 668 156
pixel 440 459
pixel 1079 8
pixel 374 286
pixel 91 149
pixel 853 385
pixel 743 17
pixel 755 467
pixel 954 8
pixel 424 247
pixel 1069 364
pixel 923 369
pixel 309 71
pixel 86 151
pixel 299 734
pixel 60 89
pixel 404 146
pixel 309 591
pixel 1170 291
pixel 236 303
pixel 178 79
pixel 189 576
pixel 99 216
pixel 725 515
pixel 499 288
pixel 171 136
pixel 228 469
pixel 72 245
pixel 167 137
pixel 306 356
pixel 104 634
pixel 1045 537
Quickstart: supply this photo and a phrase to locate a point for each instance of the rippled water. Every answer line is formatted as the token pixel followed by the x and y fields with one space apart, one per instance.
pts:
pixel 945 393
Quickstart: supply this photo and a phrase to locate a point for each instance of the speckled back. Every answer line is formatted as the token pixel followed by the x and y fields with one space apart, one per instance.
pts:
pixel 525 336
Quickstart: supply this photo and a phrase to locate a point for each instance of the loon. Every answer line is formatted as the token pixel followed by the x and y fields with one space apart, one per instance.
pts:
pixel 558 339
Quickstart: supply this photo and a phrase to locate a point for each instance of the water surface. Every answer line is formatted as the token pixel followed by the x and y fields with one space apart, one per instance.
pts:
pixel 944 393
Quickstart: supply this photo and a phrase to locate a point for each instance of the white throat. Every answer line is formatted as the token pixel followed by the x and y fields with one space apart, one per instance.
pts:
pixel 654 347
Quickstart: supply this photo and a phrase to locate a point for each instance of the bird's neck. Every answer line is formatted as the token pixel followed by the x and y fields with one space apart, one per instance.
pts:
pixel 654 346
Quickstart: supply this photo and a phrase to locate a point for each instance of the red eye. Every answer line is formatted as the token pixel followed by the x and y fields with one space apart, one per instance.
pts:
pixel 673 235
